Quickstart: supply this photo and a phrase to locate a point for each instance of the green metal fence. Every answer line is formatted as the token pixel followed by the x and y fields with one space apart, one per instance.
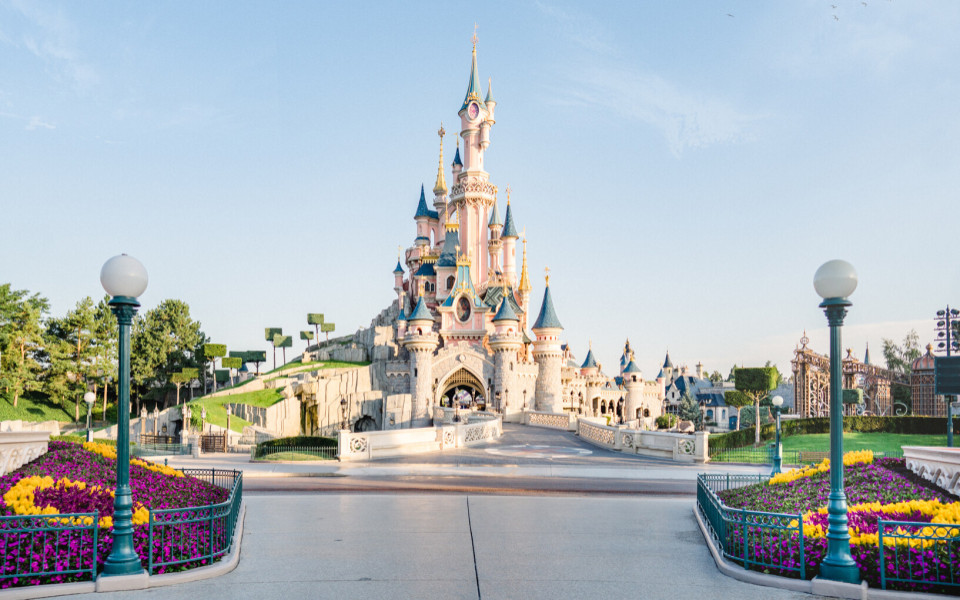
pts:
pixel 759 540
pixel 51 545
pixel 753 455
pixel 141 450
pixel 196 535
pixel 920 556
pixel 265 452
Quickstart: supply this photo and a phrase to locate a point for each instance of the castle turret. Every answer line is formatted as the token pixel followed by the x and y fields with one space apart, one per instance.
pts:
pixel 489 101
pixel 633 382
pixel 589 366
pixel 506 343
pixel 509 236
pixel 494 243
pixel 421 342
pixel 446 265
pixel 668 370
pixel 525 288
pixel 422 217
pixel 548 355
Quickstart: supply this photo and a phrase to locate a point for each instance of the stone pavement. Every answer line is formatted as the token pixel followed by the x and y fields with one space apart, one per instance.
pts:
pixel 388 546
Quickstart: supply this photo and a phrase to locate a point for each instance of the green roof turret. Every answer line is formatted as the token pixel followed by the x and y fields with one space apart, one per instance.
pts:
pixel 509 229
pixel 548 316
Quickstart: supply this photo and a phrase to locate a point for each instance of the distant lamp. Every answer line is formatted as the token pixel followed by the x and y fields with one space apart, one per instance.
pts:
pixel 343 414
pixel 777 402
pixel 835 281
pixel 89 398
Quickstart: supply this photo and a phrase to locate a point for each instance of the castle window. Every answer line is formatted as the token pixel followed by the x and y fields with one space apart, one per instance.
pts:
pixel 450 281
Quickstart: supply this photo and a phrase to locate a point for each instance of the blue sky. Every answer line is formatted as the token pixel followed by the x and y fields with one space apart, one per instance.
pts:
pixel 683 168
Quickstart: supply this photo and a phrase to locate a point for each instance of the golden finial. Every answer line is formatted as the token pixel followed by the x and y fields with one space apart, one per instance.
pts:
pixel 546 275
pixel 399 253
pixel 440 187
pixel 508 193
pixel 475 39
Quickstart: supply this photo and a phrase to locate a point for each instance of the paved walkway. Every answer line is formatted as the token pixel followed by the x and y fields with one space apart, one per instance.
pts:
pixel 471 547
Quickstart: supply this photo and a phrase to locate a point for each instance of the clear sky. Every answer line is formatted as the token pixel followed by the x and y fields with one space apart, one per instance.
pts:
pixel 683 168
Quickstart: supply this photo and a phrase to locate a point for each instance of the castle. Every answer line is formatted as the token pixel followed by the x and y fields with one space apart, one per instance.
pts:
pixel 460 323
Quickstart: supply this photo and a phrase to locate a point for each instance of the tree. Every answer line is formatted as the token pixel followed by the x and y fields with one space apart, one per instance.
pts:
pixel 282 341
pixel 756 383
pixel 192 374
pixel 105 346
pixel 231 362
pixel 306 335
pixel 899 359
pixel 327 328
pixel 254 356
pixel 738 400
pixel 315 319
pixel 164 340
pixel 270 333
pixel 211 353
pixel 689 410
pixel 779 376
pixel 70 354
pixel 21 340
pixel 178 379
pixel 715 377
pixel 733 374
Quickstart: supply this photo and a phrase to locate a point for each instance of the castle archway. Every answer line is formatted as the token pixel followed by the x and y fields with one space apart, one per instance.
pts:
pixel 462 387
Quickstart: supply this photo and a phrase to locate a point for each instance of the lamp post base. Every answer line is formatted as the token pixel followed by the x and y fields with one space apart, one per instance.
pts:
pixel 847 573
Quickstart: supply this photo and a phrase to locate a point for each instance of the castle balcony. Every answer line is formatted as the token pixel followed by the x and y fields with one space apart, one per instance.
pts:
pixel 473 188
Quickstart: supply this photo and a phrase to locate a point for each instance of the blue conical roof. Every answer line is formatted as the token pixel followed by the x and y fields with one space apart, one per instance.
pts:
pixel 509 229
pixel 473 86
pixel 548 316
pixel 402 317
pixel 506 312
pixel 866 355
pixel 456 158
pixel 590 362
pixel 494 215
pixel 399 268
pixel 448 255
pixel 421 312
pixel 632 367
pixel 489 97
pixel 660 374
pixel 422 210
pixel 666 363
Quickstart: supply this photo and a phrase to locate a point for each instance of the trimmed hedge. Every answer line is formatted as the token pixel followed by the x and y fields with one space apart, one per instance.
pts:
pixel 861 424
pixel 309 441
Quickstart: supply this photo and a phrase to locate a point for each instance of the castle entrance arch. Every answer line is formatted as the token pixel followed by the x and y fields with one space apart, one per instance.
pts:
pixel 463 388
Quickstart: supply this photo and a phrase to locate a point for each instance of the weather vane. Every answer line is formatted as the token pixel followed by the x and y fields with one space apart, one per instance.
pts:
pixel 546 274
pixel 441 132
pixel 508 193
pixel 475 39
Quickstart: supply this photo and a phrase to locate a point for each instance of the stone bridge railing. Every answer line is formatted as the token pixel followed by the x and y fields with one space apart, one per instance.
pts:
pixel 565 421
pixel 19 448
pixel 371 445
pixel 677 446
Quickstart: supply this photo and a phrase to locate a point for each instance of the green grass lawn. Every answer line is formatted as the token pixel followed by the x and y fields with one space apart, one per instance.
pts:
pixel 878 442
pixel 887 443
pixel 294 456
pixel 217 412
pixel 317 364
pixel 28 409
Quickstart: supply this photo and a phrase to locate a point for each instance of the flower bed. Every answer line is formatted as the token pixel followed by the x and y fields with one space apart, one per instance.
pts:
pixel 922 547
pixel 71 479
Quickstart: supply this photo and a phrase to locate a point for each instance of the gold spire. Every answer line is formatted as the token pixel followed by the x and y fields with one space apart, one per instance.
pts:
pixel 440 187
pixel 546 275
pixel 524 278
pixel 475 39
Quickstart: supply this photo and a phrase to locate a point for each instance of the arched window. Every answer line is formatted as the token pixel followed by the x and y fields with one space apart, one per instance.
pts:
pixel 450 281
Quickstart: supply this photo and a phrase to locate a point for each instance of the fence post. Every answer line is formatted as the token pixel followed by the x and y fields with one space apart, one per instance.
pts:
pixel 803 559
pixel 883 568
pixel 743 525
pixel 150 545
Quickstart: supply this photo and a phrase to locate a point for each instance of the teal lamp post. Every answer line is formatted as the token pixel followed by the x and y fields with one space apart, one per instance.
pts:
pixel 835 281
pixel 778 450
pixel 124 278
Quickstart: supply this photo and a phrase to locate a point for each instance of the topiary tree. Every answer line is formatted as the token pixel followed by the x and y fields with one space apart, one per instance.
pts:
pixel 256 357
pixel 282 341
pixel 269 334
pixel 756 383
pixel 327 328
pixel 737 400
pixel 178 379
pixel 315 319
pixel 192 374
pixel 307 335
pixel 232 362
pixel 212 352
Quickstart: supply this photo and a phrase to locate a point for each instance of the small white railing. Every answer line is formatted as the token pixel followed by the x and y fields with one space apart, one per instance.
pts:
pixel 937 464
pixel 19 448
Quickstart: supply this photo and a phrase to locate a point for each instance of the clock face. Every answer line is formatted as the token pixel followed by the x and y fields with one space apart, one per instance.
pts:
pixel 463 309
pixel 473 110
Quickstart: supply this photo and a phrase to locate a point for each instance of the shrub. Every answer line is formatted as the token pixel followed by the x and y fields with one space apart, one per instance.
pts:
pixel 310 441
pixel 667 421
